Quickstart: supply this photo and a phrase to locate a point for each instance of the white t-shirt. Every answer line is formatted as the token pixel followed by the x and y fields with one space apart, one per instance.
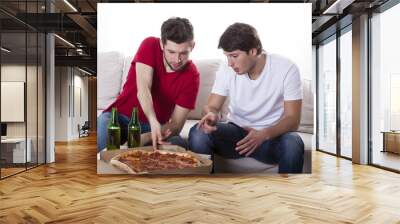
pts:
pixel 259 103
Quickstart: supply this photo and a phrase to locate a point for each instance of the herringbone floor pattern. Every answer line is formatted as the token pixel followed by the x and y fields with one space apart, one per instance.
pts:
pixel 70 191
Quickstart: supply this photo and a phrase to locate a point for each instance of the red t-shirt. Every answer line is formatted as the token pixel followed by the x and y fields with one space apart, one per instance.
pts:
pixel 167 90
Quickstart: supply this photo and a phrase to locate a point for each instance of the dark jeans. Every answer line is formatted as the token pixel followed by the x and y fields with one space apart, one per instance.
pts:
pixel 286 150
pixel 104 118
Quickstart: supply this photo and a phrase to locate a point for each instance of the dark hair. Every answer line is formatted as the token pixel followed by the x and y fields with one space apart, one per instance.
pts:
pixel 240 36
pixel 176 29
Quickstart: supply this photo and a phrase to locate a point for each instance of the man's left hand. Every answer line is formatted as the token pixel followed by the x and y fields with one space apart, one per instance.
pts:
pixel 248 144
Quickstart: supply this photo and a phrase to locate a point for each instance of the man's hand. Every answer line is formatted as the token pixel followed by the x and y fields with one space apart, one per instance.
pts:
pixel 248 144
pixel 157 136
pixel 208 122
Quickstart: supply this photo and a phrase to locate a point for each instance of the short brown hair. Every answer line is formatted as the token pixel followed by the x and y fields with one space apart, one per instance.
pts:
pixel 240 36
pixel 176 29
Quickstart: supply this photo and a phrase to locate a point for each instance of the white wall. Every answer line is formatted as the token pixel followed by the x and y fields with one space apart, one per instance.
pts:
pixel 283 28
pixel 68 82
pixel 80 83
pixel 61 103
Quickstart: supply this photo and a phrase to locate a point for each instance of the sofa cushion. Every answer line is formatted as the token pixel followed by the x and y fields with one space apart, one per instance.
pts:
pixel 207 69
pixel 307 108
pixel 109 66
pixel 186 128
pixel 125 70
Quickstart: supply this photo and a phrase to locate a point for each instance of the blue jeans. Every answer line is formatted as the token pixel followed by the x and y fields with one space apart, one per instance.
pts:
pixel 286 150
pixel 104 118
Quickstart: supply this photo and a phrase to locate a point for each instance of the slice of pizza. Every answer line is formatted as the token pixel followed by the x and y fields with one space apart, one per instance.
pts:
pixel 144 161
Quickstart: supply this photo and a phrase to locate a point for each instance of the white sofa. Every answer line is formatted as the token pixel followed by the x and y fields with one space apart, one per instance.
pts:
pixel 112 71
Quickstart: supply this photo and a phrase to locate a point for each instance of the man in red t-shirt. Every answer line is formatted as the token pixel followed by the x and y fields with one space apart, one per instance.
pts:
pixel 162 82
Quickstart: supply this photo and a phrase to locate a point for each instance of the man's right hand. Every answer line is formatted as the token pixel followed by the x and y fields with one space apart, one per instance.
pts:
pixel 156 135
pixel 208 122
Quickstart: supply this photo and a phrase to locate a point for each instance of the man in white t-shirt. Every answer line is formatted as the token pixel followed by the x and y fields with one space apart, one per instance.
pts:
pixel 264 105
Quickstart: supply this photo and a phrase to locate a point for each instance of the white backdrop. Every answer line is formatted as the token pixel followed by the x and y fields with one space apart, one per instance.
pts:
pixel 283 28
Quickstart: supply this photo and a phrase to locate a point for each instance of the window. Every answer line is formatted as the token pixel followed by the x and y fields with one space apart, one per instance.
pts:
pixel 385 88
pixel 346 93
pixel 327 96
pixel 22 65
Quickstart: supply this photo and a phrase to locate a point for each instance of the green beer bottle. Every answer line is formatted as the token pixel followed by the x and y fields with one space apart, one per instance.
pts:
pixel 134 130
pixel 113 131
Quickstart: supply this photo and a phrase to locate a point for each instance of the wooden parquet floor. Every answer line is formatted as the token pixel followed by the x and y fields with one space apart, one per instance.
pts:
pixel 70 191
pixel 10 171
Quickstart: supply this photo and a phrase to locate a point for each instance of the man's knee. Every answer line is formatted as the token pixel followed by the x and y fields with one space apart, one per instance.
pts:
pixel 102 122
pixel 196 136
pixel 104 118
pixel 291 153
pixel 199 141
pixel 293 144
pixel 228 132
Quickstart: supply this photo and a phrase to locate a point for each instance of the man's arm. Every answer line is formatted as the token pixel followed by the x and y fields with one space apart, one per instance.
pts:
pixel 144 80
pixel 178 119
pixel 214 104
pixel 289 121
pixel 173 127
pixel 211 113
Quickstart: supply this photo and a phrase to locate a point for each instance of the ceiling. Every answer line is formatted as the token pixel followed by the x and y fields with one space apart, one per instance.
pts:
pixel 76 23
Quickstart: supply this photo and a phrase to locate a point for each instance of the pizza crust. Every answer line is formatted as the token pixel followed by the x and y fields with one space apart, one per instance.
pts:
pixel 123 166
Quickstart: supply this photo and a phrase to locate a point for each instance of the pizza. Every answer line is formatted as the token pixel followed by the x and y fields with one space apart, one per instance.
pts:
pixel 144 161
